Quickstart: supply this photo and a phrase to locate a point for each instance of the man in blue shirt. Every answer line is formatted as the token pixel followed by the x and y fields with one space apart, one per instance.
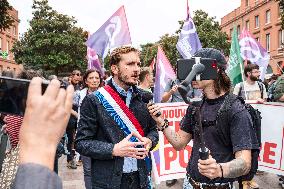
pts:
pixel 116 161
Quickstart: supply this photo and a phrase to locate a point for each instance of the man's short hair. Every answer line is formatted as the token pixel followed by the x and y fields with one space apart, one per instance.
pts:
pixel 74 72
pixel 249 68
pixel 115 55
pixel 144 72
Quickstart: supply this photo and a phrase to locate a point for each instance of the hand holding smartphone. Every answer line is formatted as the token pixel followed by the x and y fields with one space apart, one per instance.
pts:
pixel 13 95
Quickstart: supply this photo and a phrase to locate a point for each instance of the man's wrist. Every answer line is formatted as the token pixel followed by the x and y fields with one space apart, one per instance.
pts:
pixel 160 122
pixel 220 170
pixel 114 150
pixel 38 155
pixel 164 126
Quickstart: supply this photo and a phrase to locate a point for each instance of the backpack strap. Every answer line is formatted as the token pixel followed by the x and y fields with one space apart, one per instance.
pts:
pixel 241 88
pixel 222 118
pixel 260 85
pixel 193 108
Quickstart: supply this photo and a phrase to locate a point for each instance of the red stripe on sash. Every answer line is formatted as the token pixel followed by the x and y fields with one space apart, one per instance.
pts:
pixel 125 109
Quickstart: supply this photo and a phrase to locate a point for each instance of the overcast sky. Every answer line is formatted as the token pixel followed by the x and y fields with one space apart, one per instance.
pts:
pixel 147 19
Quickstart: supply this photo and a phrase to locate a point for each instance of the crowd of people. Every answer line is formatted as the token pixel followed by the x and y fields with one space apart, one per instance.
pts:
pixel 109 124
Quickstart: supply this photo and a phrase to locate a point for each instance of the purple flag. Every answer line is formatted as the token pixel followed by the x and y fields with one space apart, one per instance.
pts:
pixel 164 72
pixel 188 42
pixel 113 33
pixel 94 61
pixel 253 51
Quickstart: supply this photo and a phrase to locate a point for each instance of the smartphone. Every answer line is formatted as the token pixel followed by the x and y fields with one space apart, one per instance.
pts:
pixel 13 95
pixel 184 67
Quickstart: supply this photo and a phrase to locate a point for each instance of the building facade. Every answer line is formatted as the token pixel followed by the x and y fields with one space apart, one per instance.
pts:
pixel 262 19
pixel 7 38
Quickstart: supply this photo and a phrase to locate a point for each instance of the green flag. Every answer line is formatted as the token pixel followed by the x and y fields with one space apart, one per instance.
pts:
pixel 235 60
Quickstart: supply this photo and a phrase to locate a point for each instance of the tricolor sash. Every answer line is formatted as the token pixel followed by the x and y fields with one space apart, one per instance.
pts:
pixel 118 110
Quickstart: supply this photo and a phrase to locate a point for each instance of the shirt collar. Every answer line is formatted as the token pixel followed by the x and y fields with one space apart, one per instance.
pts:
pixel 120 90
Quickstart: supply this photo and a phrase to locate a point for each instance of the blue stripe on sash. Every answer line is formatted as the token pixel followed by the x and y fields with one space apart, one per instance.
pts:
pixel 122 126
pixel 114 115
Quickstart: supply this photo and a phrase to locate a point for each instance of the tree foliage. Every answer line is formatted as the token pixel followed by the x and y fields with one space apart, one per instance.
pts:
pixel 53 43
pixel 5 19
pixel 167 42
pixel 149 51
pixel 281 4
pixel 209 33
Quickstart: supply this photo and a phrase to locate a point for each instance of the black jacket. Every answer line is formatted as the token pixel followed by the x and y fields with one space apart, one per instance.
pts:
pixel 97 133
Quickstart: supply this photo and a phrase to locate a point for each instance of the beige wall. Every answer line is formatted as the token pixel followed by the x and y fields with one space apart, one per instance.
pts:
pixel 9 36
pixel 245 13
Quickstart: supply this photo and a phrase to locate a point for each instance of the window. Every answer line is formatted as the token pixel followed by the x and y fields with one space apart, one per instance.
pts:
pixel 280 38
pixel 247 3
pixel 256 18
pixel 267 17
pixel 238 30
pixel 8 46
pixel 231 32
pixel 14 30
pixel 247 25
pixel 268 42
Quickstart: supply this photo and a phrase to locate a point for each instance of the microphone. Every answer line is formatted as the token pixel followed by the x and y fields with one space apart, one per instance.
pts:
pixel 184 86
pixel 147 97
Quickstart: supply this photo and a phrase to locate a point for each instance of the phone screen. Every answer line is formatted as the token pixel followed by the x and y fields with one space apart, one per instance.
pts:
pixel 13 95
pixel 184 67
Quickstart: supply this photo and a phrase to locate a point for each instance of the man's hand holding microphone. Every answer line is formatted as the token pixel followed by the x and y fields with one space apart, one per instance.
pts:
pixel 155 112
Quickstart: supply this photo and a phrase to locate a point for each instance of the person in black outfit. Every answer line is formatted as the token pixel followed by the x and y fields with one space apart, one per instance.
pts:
pixel 226 162
pixel 72 123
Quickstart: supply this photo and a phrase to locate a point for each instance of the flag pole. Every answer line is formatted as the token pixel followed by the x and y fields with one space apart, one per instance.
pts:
pixel 242 72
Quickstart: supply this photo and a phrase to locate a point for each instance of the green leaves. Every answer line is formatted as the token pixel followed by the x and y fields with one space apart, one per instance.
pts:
pixel 53 43
pixel 281 5
pixel 5 19
pixel 209 33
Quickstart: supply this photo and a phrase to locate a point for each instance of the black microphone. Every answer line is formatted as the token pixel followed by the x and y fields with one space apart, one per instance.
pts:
pixel 184 86
pixel 148 97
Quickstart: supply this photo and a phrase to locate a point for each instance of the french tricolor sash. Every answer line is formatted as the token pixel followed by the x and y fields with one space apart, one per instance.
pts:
pixel 118 110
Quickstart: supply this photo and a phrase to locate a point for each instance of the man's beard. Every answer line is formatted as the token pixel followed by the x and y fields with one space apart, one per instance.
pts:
pixel 123 78
pixel 253 78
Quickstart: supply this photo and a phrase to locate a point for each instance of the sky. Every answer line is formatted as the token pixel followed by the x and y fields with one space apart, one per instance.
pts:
pixel 148 20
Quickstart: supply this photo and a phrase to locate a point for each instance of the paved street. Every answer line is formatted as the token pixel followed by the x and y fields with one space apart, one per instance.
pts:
pixel 73 179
